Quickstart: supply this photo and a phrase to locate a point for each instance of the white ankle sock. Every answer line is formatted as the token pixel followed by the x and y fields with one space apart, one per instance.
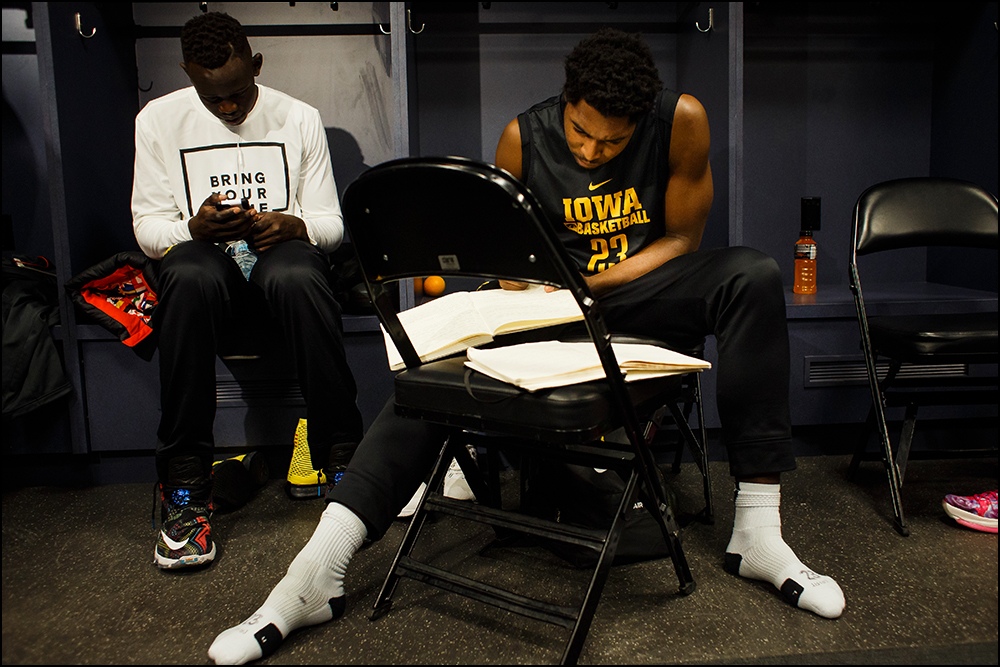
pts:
pixel 312 591
pixel 757 551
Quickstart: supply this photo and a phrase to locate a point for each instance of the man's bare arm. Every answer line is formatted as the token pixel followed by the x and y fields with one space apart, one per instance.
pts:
pixel 687 200
pixel 509 158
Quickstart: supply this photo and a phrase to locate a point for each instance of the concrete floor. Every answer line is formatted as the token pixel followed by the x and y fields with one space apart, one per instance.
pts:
pixel 79 585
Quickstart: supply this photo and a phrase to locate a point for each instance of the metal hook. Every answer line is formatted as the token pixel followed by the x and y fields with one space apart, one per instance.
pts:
pixel 711 21
pixel 409 24
pixel 145 90
pixel 384 31
pixel 80 30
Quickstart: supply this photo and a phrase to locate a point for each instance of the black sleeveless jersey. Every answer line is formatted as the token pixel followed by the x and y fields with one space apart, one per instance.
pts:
pixel 610 213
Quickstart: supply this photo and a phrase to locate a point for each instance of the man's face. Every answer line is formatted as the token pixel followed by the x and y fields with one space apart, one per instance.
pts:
pixel 592 138
pixel 229 92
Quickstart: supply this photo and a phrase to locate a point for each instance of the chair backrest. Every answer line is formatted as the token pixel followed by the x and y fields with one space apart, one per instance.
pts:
pixel 913 212
pixel 449 216
pixel 453 216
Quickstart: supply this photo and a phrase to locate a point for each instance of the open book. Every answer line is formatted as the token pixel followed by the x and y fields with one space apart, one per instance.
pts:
pixel 534 366
pixel 456 321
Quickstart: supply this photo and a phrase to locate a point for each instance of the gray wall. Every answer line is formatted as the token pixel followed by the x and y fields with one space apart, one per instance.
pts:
pixel 346 77
pixel 25 181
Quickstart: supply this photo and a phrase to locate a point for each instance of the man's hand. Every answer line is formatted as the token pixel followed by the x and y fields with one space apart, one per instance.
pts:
pixel 217 226
pixel 517 285
pixel 272 227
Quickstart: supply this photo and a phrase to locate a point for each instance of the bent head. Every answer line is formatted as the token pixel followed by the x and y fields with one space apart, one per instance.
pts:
pixel 218 61
pixel 611 81
pixel 593 138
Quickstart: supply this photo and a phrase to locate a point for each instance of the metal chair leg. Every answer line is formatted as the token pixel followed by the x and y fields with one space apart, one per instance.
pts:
pixel 383 603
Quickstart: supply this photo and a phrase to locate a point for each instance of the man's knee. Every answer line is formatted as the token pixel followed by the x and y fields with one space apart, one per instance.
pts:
pixel 293 267
pixel 193 265
pixel 755 269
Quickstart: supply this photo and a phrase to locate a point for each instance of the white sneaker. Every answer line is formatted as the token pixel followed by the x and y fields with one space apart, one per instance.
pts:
pixel 411 506
pixel 455 485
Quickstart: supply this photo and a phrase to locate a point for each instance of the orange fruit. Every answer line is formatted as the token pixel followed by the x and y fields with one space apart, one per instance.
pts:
pixel 418 286
pixel 433 285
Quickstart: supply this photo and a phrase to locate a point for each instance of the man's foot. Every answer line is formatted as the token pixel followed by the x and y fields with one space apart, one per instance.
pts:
pixel 312 591
pixel 455 486
pixel 185 537
pixel 236 479
pixel 978 512
pixel 411 507
pixel 757 551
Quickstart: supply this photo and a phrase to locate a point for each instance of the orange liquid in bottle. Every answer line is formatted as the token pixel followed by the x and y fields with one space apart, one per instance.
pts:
pixel 805 264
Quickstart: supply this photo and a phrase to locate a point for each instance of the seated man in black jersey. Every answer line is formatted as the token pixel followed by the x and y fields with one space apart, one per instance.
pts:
pixel 626 171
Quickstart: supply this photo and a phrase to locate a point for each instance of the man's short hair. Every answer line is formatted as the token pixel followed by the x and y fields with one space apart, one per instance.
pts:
pixel 211 39
pixel 614 72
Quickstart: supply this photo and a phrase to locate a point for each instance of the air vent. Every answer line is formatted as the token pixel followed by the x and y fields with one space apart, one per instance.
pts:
pixel 827 371
pixel 274 392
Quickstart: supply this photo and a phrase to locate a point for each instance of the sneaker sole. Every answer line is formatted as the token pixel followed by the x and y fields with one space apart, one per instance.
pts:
pixel 970 520
pixel 185 561
pixel 411 507
pixel 304 491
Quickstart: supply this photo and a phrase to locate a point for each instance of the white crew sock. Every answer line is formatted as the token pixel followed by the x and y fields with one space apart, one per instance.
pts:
pixel 757 551
pixel 312 591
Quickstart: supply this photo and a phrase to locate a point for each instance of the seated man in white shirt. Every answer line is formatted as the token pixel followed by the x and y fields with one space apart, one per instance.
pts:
pixel 234 192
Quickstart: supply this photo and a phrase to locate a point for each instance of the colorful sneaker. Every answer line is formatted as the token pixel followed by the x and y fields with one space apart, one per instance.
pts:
pixel 978 512
pixel 304 481
pixel 185 538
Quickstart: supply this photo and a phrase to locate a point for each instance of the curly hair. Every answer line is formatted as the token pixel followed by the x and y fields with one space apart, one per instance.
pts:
pixel 614 72
pixel 211 39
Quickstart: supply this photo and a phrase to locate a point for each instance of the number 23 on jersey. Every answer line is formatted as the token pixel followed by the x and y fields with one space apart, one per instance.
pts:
pixel 604 248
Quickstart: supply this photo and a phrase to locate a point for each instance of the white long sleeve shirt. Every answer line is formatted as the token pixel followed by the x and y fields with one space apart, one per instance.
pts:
pixel 277 158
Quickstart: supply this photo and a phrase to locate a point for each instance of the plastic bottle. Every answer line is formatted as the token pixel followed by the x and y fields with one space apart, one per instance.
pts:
pixel 805 248
pixel 244 256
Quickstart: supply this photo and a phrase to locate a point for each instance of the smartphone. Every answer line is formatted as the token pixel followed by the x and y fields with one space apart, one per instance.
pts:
pixel 223 205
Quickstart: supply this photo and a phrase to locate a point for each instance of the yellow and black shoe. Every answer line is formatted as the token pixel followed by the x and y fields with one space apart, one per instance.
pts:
pixel 304 481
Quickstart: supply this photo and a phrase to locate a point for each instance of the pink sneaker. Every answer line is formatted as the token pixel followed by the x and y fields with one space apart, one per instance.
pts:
pixel 978 512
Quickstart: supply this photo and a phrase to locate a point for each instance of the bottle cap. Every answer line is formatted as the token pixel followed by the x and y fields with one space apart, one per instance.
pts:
pixel 810 214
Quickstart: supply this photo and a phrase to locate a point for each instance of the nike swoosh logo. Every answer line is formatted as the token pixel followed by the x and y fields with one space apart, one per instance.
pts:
pixel 173 546
pixel 594 187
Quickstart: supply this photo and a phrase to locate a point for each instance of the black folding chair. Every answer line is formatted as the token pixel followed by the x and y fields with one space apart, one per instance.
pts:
pixel 922 212
pixel 455 217
pixel 687 401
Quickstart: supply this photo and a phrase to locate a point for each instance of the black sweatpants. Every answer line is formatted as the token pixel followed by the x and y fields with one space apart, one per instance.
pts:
pixel 204 298
pixel 735 294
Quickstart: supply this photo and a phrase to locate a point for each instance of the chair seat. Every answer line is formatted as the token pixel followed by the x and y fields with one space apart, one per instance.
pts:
pixel 448 392
pixel 925 337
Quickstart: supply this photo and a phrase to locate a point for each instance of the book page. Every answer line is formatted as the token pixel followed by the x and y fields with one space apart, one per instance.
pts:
pixel 509 311
pixel 547 364
pixel 440 327
pixel 638 356
pixel 530 361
